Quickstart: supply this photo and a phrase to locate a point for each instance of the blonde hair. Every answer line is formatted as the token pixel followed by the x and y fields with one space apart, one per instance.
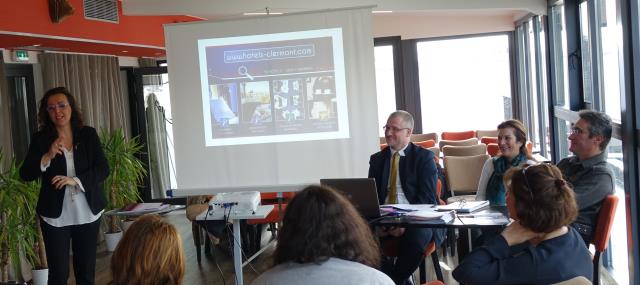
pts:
pixel 150 253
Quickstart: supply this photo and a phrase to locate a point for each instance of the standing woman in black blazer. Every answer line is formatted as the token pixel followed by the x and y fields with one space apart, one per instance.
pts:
pixel 68 158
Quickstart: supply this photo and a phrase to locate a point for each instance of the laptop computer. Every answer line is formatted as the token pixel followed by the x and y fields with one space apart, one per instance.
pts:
pixel 360 191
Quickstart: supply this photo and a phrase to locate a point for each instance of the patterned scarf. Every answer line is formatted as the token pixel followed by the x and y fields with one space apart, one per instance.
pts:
pixel 495 187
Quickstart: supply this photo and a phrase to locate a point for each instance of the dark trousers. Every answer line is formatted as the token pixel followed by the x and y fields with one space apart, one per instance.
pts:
pixel 84 243
pixel 411 248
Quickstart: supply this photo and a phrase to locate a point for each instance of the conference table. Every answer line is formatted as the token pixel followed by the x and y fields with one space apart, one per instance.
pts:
pixel 261 212
pixel 484 218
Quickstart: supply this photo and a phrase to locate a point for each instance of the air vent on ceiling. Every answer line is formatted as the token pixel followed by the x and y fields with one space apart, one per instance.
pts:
pixel 101 10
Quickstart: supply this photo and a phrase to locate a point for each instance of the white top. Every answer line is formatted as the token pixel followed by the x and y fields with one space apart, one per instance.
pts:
pixel 487 171
pixel 400 197
pixel 75 208
pixel 334 271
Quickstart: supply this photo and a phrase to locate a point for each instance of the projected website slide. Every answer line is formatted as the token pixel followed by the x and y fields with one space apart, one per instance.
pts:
pixel 273 88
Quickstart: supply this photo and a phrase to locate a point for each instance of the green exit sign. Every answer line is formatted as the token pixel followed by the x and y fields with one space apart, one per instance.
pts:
pixel 21 55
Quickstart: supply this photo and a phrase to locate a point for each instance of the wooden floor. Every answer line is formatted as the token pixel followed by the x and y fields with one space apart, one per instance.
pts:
pixel 208 273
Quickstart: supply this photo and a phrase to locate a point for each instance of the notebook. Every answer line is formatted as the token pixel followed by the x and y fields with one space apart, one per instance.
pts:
pixel 360 191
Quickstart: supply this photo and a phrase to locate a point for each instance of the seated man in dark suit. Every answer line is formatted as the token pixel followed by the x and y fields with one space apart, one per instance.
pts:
pixel 405 174
pixel 588 171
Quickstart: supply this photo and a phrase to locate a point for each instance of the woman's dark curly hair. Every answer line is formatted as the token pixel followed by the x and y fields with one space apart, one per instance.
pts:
pixel 44 122
pixel 544 201
pixel 319 223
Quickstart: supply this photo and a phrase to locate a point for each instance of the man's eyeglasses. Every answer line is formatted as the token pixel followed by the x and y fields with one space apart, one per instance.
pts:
pixel 60 106
pixel 576 131
pixel 392 129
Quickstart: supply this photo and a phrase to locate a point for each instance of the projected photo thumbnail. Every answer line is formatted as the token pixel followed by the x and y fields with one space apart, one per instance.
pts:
pixel 224 104
pixel 274 88
pixel 288 99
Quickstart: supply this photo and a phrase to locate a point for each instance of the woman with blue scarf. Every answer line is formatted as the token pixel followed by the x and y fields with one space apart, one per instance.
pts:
pixel 512 139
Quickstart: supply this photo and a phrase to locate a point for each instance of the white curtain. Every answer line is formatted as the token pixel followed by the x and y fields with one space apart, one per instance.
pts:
pixel 95 82
pixel 158 147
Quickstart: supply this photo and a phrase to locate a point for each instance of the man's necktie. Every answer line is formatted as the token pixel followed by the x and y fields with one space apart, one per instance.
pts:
pixel 393 192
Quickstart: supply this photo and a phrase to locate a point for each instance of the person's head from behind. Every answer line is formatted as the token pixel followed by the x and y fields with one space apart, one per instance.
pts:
pixel 58 108
pixel 398 129
pixel 150 252
pixel 591 134
pixel 320 223
pixel 539 198
pixel 512 139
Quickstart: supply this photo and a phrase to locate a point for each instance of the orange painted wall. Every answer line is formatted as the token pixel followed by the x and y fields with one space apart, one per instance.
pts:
pixel 32 16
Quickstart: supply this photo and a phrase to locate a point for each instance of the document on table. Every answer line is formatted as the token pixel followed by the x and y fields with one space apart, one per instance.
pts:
pixel 143 208
pixel 464 206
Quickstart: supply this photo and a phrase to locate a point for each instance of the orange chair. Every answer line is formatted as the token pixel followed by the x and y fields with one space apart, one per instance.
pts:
pixel 603 232
pixel 382 146
pixel 530 147
pixel 458 136
pixel 493 149
pixel 390 248
pixel 426 144
pixel 275 217
pixel 488 140
pixel 434 282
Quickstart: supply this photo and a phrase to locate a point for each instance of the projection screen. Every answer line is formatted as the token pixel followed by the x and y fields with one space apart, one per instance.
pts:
pixel 272 103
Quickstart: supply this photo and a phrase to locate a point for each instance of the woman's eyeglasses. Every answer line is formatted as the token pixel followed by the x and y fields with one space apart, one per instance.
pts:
pixel 526 181
pixel 60 106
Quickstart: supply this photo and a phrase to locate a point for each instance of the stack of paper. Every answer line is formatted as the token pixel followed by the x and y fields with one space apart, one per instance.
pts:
pixel 430 215
pixel 464 206
pixel 139 208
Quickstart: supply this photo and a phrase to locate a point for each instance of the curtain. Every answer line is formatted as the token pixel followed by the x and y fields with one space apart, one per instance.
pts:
pixel 94 81
pixel 5 118
pixel 158 148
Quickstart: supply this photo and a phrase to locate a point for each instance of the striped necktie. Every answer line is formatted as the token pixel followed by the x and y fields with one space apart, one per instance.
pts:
pixel 393 192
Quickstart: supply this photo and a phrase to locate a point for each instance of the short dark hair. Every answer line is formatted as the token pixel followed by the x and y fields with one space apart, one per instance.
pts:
pixel 45 123
pixel 544 201
pixel 599 125
pixel 320 223
pixel 520 132
pixel 406 117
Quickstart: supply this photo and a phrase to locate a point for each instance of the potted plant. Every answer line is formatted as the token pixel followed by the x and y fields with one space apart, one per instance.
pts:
pixel 126 172
pixel 19 225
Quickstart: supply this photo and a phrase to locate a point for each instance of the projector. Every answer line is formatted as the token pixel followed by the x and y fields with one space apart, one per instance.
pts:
pixel 238 202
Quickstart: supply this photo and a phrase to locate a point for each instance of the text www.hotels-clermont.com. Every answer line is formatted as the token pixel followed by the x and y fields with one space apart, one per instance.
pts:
pixel 269 53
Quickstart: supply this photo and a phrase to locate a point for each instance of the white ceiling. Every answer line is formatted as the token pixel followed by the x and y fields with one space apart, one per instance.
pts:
pixel 226 9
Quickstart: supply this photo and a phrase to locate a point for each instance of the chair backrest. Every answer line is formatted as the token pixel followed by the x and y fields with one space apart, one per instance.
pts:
pixel 463 172
pixel 488 140
pixel 529 147
pixel 605 222
pixel 451 150
pixel 486 133
pixel 471 141
pixel 580 280
pixel 493 149
pixel 426 144
pixel 424 137
pixel 457 136
pixel 382 146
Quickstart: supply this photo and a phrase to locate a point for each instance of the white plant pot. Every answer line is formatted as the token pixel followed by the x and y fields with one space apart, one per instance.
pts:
pixel 40 276
pixel 112 240
pixel 127 224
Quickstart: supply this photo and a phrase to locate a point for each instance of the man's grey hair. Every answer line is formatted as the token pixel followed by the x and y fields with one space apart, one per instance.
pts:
pixel 599 125
pixel 406 117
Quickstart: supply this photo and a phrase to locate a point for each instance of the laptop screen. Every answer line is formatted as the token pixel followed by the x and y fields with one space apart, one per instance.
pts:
pixel 360 191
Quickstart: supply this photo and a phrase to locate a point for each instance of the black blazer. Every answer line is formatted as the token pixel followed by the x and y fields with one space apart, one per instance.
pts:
pixel 418 174
pixel 89 162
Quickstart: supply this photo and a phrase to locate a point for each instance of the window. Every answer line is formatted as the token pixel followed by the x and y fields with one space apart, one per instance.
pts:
pixel 467 77
pixel 617 258
pixel 559 54
pixel 610 61
pixel 385 83
pixel 585 54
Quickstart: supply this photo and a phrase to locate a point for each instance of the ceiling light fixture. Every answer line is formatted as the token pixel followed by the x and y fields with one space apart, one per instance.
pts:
pixel 37 45
pixel 266 12
pixel 125 51
pixel 381 11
